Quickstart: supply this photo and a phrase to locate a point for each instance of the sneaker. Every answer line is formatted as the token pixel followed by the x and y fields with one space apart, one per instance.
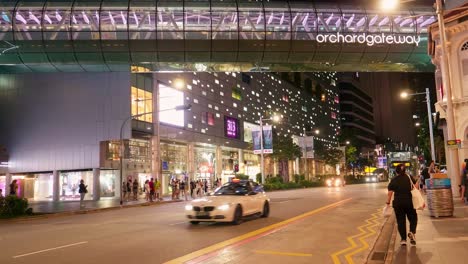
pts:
pixel 412 238
pixel 403 243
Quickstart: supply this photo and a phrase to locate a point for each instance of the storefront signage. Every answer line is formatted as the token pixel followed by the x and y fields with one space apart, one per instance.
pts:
pixel 231 127
pixel 369 39
pixel 454 143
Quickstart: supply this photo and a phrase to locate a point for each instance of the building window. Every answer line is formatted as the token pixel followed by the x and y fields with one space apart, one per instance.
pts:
pixel 142 102
pixel 208 118
pixel 285 98
pixel 246 78
pixel 236 94
pixel 333 115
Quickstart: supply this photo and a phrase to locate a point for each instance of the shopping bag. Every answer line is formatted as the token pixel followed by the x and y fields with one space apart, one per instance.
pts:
pixel 418 200
pixel 387 211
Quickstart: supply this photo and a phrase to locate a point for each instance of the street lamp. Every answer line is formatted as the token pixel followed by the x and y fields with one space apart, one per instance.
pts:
pixel 275 118
pixel 429 116
pixel 122 147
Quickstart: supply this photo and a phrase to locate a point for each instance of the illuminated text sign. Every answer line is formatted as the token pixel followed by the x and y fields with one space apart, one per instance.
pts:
pixel 369 39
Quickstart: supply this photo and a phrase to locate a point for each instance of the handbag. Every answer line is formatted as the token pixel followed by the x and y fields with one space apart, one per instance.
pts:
pixel 418 200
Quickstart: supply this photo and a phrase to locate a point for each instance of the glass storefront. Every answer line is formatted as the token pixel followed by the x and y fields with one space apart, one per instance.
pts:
pixel 3 184
pixel 43 186
pixel 109 181
pixel 251 164
pixel 205 158
pixel 230 159
pixel 174 164
pixel 69 182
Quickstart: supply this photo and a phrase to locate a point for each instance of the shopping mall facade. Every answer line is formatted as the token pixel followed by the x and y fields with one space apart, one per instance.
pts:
pixel 60 128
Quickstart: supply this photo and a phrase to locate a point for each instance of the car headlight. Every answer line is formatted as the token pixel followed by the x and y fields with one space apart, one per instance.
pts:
pixel 223 207
pixel 189 207
pixel 367 179
pixel 328 182
pixel 373 179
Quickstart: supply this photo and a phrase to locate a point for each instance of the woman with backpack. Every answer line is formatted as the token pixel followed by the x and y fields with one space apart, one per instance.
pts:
pixel 82 190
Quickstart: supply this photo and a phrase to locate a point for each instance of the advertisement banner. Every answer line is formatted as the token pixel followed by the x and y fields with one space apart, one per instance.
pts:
pixel 256 140
pixel 306 144
pixel 267 140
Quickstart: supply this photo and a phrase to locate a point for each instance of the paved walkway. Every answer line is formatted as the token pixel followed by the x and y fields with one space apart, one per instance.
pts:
pixel 441 240
pixel 70 206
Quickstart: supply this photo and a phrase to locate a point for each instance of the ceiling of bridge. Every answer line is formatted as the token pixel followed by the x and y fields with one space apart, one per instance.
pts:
pixel 148 35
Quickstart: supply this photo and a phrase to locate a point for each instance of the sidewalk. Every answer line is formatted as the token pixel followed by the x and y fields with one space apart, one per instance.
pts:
pixel 74 206
pixel 440 240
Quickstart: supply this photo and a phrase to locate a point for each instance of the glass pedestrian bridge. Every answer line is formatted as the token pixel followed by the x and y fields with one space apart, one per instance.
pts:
pixel 152 35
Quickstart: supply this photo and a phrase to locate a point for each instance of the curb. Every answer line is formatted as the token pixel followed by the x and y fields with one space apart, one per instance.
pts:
pixel 84 211
pixel 382 251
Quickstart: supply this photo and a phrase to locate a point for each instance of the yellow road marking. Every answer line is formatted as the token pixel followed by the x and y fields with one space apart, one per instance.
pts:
pixel 234 240
pixel 267 252
pixel 361 236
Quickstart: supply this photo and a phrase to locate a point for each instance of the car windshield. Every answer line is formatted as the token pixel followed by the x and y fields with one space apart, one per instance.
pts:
pixel 232 189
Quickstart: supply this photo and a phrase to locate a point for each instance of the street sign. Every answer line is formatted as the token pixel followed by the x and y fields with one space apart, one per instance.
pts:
pixel 454 143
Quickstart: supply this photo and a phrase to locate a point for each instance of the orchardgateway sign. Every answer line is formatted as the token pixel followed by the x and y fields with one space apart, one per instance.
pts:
pixel 369 39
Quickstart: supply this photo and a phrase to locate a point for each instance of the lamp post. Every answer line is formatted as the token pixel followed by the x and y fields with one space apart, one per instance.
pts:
pixel 262 161
pixel 306 169
pixel 429 117
pixel 122 147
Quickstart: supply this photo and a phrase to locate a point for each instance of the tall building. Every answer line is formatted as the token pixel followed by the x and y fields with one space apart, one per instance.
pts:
pixel 356 112
pixel 70 128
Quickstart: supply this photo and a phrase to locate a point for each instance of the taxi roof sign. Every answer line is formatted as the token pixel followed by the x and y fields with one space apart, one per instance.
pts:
pixel 454 143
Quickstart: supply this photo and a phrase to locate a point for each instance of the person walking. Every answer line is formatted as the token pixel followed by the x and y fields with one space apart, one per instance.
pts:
pixel 135 190
pixel 157 192
pixel 464 184
pixel 182 189
pixel 14 188
pixel 129 189
pixel 124 191
pixel 400 187
pixel 151 187
pixel 82 190
pixel 192 188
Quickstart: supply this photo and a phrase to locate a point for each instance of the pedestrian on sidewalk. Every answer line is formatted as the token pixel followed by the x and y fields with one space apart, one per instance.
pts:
pixel 14 188
pixel 400 188
pixel 192 188
pixel 124 191
pixel 135 190
pixel 129 189
pixel 1 193
pixel 182 189
pixel 157 188
pixel 151 186
pixel 464 184
pixel 82 190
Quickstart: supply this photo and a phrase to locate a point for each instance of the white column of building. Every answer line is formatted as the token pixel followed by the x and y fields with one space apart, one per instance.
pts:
pixel 296 166
pixel 155 139
pixel 191 161
pixel 219 162
pixel 7 184
pixel 56 186
pixel 240 159
pixel 96 184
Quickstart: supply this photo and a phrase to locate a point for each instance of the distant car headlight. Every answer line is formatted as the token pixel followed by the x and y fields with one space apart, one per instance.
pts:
pixel 189 207
pixel 367 179
pixel 329 182
pixel 373 179
pixel 337 183
pixel 223 207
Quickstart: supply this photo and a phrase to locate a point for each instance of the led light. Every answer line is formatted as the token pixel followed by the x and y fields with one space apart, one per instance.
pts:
pixel 223 207
pixel 189 207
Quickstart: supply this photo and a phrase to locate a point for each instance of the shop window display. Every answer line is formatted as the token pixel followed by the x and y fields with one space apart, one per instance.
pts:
pixel 43 186
pixel 108 182
pixel 69 182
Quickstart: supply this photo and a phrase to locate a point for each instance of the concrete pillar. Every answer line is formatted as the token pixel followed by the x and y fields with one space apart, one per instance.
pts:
pixel 219 162
pixel 296 166
pixel 7 184
pixel 240 159
pixel 96 184
pixel 56 186
pixel 191 161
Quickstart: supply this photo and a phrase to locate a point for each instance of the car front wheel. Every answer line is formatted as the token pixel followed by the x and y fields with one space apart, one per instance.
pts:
pixel 237 215
pixel 194 222
pixel 266 210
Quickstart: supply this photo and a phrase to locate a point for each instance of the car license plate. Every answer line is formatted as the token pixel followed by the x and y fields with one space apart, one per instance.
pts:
pixel 202 213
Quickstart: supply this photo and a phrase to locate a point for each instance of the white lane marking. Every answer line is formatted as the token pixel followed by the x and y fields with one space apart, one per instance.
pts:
pixel 179 223
pixel 50 249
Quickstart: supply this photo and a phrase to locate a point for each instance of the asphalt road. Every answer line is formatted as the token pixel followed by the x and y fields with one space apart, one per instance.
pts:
pixel 318 225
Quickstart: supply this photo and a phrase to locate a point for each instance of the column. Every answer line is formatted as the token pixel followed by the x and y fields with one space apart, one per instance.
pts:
pixel 219 162
pixel 156 139
pixel 296 166
pixel 191 161
pixel 56 186
pixel 96 184
pixel 7 183
pixel 240 159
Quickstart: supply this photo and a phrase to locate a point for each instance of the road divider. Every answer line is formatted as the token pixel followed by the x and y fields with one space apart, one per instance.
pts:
pixel 213 250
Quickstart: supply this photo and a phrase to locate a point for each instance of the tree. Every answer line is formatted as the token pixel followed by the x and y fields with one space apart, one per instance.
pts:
pixel 332 156
pixel 350 155
pixel 284 148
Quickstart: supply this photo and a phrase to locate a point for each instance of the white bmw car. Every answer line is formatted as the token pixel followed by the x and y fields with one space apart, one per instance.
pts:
pixel 230 203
